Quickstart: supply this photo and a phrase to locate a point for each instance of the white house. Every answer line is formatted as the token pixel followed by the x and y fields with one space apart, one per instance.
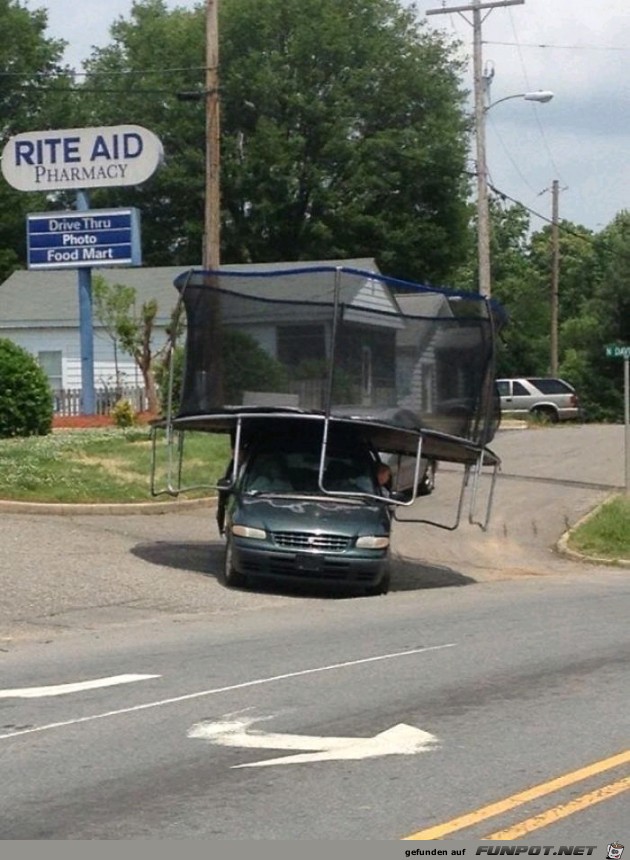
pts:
pixel 39 311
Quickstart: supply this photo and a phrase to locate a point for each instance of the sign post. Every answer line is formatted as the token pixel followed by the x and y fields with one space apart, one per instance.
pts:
pixel 86 328
pixel 616 350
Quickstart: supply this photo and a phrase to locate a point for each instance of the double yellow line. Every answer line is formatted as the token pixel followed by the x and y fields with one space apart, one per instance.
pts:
pixel 540 790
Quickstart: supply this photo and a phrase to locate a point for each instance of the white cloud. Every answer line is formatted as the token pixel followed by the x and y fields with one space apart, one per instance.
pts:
pixel 577 48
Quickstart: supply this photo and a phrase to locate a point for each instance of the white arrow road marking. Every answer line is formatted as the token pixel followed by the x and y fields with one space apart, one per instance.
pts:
pixel 63 689
pixel 216 691
pixel 399 740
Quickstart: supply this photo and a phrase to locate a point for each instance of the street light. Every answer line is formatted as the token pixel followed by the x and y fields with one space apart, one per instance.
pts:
pixel 483 212
pixel 542 96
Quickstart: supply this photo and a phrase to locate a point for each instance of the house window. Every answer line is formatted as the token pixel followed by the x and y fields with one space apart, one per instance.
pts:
pixel 50 363
pixel 301 343
pixel 366 373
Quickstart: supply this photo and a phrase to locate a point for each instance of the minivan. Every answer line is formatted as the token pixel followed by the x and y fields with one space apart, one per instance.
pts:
pixel 280 525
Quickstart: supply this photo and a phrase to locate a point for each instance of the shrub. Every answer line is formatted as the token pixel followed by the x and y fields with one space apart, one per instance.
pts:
pixel 26 406
pixel 123 413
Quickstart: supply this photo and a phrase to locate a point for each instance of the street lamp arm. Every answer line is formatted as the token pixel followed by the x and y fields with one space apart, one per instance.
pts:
pixel 541 96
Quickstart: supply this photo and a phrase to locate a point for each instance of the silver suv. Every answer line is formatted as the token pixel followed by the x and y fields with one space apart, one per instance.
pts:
pixel 544 397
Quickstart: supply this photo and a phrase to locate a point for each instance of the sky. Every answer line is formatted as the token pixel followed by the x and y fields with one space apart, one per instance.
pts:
pixel 578 49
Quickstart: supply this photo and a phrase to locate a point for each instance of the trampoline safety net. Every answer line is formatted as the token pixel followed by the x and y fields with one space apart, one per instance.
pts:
pixel 343 342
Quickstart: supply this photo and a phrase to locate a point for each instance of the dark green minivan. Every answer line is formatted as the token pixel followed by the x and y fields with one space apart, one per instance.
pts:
pixel 295 517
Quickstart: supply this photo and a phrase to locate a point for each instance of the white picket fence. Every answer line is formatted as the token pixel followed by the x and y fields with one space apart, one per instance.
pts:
pixel 68 401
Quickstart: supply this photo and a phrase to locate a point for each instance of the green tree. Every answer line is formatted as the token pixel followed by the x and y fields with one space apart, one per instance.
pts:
pixel 112 306
pixel 134 329
pixel 343 132
pixel 594 307
pixel 344 135
pixel 34 94
pixel 518 286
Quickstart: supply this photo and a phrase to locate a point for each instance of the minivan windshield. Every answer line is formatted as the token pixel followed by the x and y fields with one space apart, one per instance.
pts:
pixel 296 472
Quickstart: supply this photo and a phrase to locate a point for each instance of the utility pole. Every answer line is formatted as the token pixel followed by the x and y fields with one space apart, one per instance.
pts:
pixel 212 349
pixel 212 227
pixel 555 276
pixel 483 213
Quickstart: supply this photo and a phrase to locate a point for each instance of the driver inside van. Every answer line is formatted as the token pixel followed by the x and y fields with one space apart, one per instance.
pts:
pixel 269 474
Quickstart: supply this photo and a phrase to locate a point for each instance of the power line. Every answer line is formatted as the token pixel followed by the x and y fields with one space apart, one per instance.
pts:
pixel 536 113
pixel 557 47
pixel 562 226
pixel 65 73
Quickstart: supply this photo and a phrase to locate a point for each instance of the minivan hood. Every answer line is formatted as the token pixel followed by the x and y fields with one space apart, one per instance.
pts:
pixel 282 513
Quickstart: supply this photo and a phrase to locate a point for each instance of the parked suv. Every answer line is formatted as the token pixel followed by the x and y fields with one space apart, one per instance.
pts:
pixel 544 397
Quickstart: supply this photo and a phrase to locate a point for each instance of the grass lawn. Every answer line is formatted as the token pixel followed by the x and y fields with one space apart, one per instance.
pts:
pixel 105 465
pixel 606 534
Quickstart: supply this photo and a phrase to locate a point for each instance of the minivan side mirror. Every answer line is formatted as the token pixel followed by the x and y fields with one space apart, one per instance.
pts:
pixel 225 484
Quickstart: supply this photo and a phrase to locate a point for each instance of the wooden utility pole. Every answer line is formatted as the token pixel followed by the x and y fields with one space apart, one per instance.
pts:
pixel 555 277
pixel 211 346
pixel 212 227
pixel 483 213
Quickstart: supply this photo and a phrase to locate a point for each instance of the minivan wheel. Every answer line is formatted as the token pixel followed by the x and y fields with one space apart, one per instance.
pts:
pixel 231 577
pixel 381 587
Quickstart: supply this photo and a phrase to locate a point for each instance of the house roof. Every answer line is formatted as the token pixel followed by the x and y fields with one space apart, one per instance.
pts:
pixel 50 298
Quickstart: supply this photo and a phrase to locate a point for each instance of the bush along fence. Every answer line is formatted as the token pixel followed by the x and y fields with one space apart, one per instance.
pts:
pixel 67 402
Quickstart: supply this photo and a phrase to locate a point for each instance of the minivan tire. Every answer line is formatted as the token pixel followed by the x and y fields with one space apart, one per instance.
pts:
pixel 381 587
pixel 231 577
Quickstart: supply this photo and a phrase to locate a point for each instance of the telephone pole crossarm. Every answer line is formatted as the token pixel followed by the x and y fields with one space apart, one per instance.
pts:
pixel 470 8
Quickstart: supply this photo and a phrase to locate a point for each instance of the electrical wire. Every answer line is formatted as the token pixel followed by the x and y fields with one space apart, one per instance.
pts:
pixel 557 47
pixel 536 113
pixel 561 225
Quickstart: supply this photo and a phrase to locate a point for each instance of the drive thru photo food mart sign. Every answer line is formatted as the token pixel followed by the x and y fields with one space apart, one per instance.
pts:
pixel 95 237
pixel 79 158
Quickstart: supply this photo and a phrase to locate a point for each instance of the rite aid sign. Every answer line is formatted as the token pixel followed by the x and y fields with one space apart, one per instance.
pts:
pixel 94 237
pixel 109 156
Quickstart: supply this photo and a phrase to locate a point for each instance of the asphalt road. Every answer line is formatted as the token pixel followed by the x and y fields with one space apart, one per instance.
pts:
pixel 517 683
pixel 484 697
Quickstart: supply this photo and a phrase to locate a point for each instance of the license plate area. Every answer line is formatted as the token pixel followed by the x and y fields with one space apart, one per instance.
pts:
pixel 308 562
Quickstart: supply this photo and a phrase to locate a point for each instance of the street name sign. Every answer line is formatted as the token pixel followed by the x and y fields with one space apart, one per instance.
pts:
pixel 84 239
pixel 80 158
pixel 617 350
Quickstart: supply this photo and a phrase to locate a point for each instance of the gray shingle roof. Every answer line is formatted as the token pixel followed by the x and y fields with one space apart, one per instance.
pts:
pixel 36 298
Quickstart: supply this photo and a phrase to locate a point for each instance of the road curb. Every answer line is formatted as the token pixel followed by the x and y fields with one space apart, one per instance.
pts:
pixel 562 545
pixel 131 508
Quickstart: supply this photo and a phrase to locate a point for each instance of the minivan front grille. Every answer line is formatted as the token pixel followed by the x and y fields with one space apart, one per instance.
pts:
pixel 307 540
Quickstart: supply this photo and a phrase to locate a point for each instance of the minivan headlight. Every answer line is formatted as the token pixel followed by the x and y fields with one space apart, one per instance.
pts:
pixel 373 542
pixel 249 532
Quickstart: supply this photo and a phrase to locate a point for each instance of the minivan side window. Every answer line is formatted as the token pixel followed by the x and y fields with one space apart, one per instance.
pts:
pixel 519 389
